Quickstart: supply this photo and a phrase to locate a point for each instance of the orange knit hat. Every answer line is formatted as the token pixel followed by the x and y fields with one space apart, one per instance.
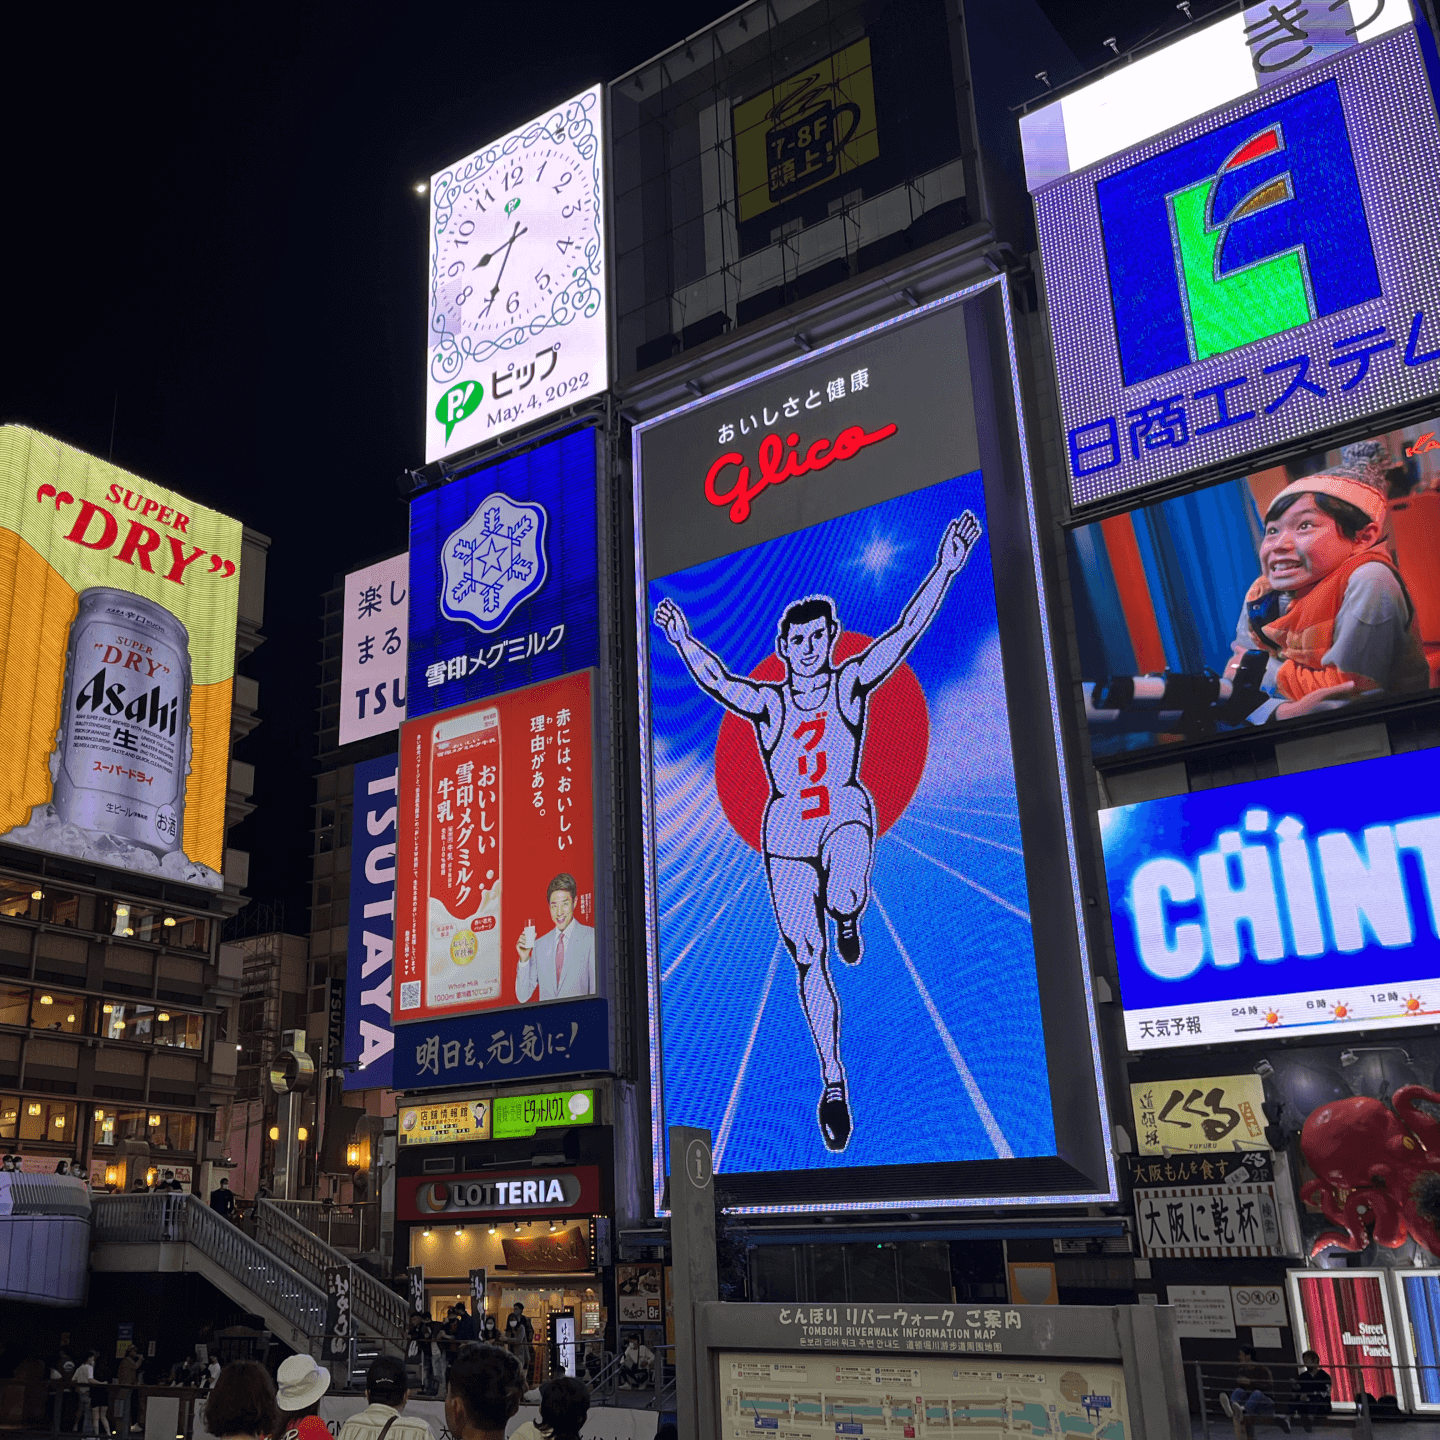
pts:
pixel 1359 478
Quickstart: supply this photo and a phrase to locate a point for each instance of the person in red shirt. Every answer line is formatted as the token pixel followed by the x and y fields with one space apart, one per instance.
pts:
pixel 301 1381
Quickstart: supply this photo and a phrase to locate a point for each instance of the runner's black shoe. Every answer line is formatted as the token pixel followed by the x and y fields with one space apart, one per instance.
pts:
pixel 847 939
pixel 834 1116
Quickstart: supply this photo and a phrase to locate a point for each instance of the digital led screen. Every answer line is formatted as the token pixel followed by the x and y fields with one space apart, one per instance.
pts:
pixel 1304 589
pixel 118 606
pixel 1303 904
pixel 370 943
pixel 495 892
pixel 1255 275
pixel 517 313
pixel 837 837
pixel 503 578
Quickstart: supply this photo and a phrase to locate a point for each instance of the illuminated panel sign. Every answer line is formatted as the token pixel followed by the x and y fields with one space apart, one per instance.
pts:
pixel 444 1121
pixel 503 576
pixel 517 311
pixel 519 1116
pixel 1346 1317
pixel 370 944
pixel 498 1192
pixel 372 649
pixel 836 831
pixel 1251 276
pixel 495 895
pixel 118 606
pixel 1303 904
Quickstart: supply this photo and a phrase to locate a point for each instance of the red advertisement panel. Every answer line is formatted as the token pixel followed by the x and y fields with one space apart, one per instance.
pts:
pixel 495 886
pixel 1348 1324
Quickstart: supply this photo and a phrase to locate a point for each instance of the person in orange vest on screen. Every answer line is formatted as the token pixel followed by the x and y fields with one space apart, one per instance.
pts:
pixel 1330 606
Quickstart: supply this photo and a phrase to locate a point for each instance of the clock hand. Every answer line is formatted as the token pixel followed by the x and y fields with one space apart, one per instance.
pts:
pixel 486 259
pixel 501 274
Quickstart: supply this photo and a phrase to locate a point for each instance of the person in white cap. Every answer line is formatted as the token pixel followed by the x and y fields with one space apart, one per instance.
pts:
pixel 300 1382
pixel 1330 607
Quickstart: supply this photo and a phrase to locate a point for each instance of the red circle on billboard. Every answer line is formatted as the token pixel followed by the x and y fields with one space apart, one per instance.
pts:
pixel 897 743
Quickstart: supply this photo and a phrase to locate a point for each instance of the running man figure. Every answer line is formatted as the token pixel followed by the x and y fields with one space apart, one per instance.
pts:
pixel 818 839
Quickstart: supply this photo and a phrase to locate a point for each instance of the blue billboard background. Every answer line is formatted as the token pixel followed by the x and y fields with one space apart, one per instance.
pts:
pixel 1313 892
pixel 569 1037
pixel 503 577
pixel 370 957
pixel 941 1026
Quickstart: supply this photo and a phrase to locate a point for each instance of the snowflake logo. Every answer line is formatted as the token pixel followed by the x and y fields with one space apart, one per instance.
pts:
pixel 493 562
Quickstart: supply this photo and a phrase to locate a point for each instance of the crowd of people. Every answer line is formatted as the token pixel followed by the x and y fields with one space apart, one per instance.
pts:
pixel 434 1344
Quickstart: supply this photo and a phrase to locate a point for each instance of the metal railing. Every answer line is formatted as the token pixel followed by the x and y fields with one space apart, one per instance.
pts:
pixel 183 1219
pixel 354 1228
pixel 377 1309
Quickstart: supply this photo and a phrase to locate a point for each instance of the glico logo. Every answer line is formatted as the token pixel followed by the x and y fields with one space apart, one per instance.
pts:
pixel 1291 895
pixel 1241 234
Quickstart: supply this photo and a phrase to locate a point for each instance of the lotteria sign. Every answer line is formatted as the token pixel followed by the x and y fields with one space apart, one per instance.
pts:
pixel 1309 902
pixel 500 1193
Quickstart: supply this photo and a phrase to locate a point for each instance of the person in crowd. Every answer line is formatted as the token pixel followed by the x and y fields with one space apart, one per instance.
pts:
pixel 490 1330
pixel 241 1403
pixel 465 1324
pixel 484 1389
pixel 222 1198
pixel 62 1167
pixel 1312 1391
pixel 386 1392
pixel 417 1353
pixel 8 1165
pixel 1252 1398
pixel 564 1404
pixel 637 1364
pixel 520 1336
pixel 122 1393
pixel 83 1381
pixel 300 1382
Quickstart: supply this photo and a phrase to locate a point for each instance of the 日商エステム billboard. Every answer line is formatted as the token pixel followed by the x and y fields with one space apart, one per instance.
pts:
pixel 495 902
pixel 1303 904
pixel 118 604
pixel 1254 274
pixel 836 594
pixel 503 576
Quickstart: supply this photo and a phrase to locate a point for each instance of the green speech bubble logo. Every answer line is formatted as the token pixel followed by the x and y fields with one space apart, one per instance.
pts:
pixel 511 206
pixel 458 403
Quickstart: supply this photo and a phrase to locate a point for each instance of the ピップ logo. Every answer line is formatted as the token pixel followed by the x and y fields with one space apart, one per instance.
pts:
pixel 1238 235
pixel 493 562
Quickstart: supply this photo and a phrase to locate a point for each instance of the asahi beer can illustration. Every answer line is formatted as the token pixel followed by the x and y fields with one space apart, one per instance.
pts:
pixel 124 740
pixel 463 939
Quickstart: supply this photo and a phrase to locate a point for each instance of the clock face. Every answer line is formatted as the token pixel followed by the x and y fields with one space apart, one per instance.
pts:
pixel 514 241
pixel 517 274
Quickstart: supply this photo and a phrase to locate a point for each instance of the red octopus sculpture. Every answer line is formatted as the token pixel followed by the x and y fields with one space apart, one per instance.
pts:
pixel 1378 1169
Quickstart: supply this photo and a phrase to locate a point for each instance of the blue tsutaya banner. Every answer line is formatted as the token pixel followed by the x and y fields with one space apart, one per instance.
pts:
pixel 565 1038
pixel 370 962
pixel 1309 903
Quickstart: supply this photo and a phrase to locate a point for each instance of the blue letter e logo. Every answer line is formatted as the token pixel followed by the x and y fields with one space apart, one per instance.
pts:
pixel 1241 234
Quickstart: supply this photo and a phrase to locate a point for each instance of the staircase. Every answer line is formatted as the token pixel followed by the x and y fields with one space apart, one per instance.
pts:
pixel 278 1272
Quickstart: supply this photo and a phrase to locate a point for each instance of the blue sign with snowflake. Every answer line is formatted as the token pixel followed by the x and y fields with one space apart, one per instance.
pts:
pixel 493 562
pixel 504 576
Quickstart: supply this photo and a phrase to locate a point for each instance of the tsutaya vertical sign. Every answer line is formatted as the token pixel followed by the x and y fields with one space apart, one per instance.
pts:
pixel 369 1039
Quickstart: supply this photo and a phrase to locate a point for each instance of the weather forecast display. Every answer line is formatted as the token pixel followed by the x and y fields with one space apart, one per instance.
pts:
pixel 1303 904
pixel 1254 275
pixel 842 945
pixel 503 576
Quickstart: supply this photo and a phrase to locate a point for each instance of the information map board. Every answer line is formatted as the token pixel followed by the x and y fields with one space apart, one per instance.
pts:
pixel 807 1397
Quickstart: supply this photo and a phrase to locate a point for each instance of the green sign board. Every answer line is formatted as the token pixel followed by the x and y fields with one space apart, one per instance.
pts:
pixel 517 1116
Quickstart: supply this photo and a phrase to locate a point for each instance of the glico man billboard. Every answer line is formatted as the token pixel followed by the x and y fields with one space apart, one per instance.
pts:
pixel 1260 266
pixel 503 576
pixel 118 604
pixel 863 977
pixel 1299 905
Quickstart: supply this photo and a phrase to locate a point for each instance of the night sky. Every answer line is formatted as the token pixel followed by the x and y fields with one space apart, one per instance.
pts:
pixel 216 272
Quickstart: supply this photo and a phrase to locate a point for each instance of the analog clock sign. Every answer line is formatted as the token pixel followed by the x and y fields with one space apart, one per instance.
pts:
pixel 517 280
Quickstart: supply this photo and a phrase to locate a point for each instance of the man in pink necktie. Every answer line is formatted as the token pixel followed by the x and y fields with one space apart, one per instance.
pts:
pixel 560 964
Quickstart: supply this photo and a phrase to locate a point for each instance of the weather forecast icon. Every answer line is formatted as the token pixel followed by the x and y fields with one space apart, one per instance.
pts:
pixel 494 562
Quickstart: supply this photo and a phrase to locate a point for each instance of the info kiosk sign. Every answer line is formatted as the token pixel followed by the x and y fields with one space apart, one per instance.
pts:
pixel 825 1370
